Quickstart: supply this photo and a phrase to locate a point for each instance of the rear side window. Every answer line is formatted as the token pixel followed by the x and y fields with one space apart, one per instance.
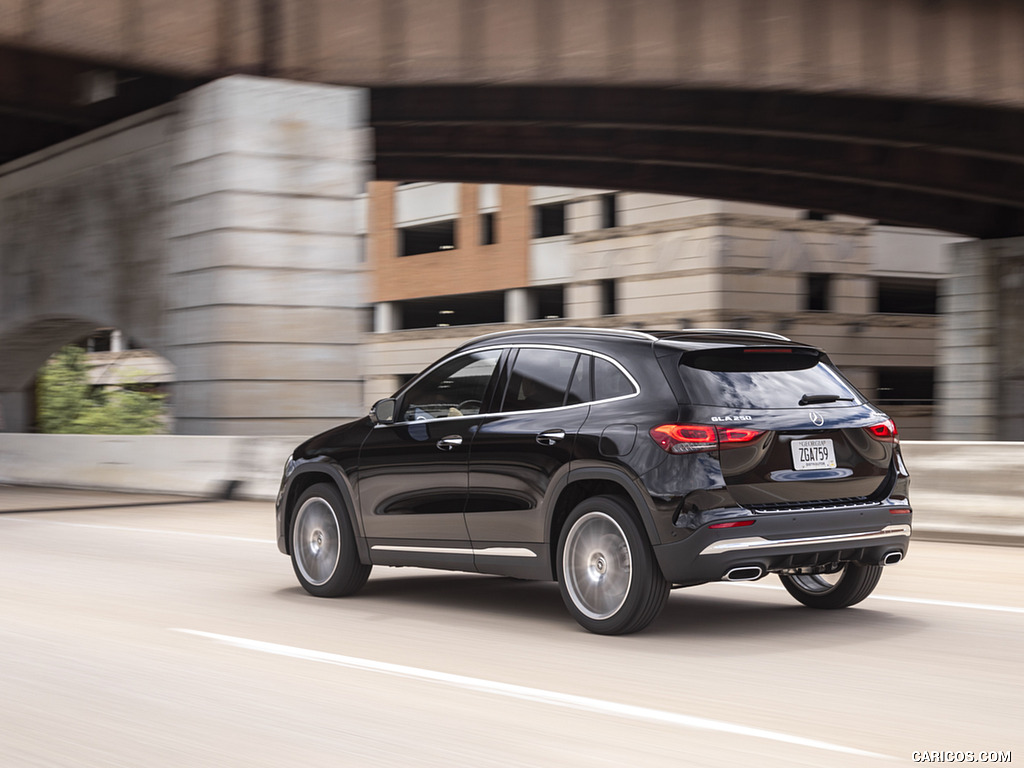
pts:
pixel 763 378
pixel 609 381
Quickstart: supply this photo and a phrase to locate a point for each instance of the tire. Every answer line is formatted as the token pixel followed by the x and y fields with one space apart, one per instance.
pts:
pixel 323 546
pixel 607 574
pixel 844 588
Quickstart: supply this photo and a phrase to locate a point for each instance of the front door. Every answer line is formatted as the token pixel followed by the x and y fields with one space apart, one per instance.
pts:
pixel 412 479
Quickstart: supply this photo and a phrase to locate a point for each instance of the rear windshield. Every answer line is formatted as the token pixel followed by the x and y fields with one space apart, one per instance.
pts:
pixel 764 378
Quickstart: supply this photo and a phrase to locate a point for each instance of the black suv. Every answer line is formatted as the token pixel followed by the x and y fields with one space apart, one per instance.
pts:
pixel 620 463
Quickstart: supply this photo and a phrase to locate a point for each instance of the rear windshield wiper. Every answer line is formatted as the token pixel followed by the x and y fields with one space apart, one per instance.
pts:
pixel 824 398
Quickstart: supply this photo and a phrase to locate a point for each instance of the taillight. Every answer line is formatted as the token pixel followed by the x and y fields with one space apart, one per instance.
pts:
pixel 693 438
pixel 884 432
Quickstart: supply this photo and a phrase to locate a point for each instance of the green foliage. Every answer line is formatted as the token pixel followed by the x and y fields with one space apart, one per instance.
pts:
pixel 67 403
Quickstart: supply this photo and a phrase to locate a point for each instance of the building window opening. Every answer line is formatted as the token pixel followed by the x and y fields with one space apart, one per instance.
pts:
pixel 609 211
pixel 549 220
pixel 818 293
pixel 815 216
pixel 426 238
pixel 908 298
pixel 609 298
pixel 906 386
pixel 488 234
pixel 548 302
pixel 461 309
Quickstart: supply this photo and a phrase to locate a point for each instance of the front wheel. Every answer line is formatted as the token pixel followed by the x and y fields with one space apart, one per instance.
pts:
pixel 607 574
pixel 847 586
pixel 324 553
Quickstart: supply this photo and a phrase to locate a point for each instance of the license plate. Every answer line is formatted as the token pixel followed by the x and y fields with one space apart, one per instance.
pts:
pixel 813 454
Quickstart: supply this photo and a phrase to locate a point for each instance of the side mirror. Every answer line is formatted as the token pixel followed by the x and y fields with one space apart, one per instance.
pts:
pixel 383 411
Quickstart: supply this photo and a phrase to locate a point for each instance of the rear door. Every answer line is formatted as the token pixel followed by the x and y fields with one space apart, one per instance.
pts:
pixel 522 448
pixel 792 430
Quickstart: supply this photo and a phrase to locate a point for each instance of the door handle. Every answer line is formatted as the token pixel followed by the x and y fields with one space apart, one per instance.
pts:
pixel 551 436
pixel 447 443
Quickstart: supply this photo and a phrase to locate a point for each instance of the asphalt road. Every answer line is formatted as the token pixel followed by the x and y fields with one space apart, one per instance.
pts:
pixel 140 631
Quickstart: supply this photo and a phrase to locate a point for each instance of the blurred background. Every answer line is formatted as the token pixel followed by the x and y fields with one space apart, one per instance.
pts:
pixel 257 218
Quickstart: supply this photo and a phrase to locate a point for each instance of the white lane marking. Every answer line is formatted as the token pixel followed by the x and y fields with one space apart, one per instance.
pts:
pixel 136 530
pixel 917 600
pixel 528 694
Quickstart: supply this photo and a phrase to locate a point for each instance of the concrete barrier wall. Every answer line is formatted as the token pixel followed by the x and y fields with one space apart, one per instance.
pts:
pixel 190 465
pixel 972 489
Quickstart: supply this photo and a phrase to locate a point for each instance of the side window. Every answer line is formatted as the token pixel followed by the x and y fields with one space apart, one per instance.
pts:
pixel 539 379
pixel 455 388
pixel 609 381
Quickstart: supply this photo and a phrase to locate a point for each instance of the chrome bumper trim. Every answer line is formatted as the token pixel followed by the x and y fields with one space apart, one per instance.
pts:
pixel 757 542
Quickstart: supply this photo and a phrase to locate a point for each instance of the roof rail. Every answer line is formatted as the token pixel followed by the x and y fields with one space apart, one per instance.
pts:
pixel 730 332
pixel 561 328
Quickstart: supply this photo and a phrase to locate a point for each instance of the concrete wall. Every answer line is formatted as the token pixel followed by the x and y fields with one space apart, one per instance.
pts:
pixel 223 231
pixel 182 464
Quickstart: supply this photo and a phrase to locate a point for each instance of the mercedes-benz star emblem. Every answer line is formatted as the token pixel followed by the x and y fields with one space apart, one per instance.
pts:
pixel 816 418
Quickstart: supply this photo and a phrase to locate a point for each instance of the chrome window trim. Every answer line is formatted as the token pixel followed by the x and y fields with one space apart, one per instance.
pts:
pixel 524 345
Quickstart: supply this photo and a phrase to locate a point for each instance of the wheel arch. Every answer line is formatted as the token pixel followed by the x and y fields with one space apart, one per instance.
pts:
pixel 308 475
pixel 595 481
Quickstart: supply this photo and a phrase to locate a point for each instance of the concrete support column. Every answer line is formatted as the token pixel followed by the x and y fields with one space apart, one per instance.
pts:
pixel 517 306
pixel 980 387
pixel 387 317
pixel 266 285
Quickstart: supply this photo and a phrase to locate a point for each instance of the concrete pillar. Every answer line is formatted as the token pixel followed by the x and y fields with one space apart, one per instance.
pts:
pixel 517 306
pixel 265 281
pixel 980 387
pixel 387 317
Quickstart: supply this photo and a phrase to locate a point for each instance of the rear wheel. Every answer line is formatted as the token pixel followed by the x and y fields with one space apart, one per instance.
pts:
pixel 324 553
pixel 609 579
pixel 847 586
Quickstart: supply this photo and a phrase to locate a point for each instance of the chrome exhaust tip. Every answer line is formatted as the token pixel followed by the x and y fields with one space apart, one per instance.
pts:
pixel 892 558
pixel 744 573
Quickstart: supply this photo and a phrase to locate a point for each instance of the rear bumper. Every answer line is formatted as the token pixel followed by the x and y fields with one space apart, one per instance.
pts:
pixel 783 541
pixel 841 540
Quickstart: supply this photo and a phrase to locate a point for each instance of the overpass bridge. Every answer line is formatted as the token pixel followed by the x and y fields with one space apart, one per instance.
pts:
pixel 129 158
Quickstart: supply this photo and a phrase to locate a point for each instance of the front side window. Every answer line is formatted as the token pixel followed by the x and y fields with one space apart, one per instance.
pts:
pixel 540 378
pixel 457 387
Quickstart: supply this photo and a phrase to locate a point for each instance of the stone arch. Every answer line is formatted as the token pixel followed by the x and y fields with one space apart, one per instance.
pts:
pixel 27 345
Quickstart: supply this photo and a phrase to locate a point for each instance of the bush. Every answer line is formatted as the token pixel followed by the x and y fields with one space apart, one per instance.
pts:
pixel 68 404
